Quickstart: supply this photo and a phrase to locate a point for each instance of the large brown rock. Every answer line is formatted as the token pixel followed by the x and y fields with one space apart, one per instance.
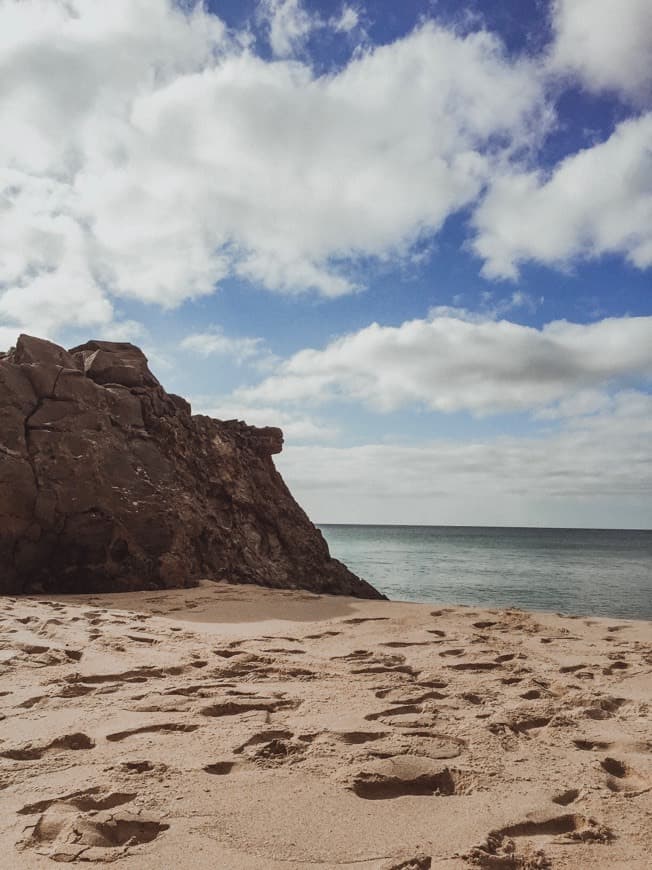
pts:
pixel 108 483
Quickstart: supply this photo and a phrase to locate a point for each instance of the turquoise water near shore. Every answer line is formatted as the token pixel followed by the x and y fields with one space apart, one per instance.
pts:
pixel 579 571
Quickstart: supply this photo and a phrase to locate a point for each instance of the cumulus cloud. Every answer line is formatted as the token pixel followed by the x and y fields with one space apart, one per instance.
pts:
pixel 595 202
pixel 147 153
pixel 451 363
pixel 607 43
pixel 551 478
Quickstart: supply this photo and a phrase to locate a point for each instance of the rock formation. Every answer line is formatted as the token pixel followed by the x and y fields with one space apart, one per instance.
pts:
pixel 108 483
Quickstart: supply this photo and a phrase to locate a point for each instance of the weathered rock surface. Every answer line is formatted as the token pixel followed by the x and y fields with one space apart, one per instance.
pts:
pixel 108 483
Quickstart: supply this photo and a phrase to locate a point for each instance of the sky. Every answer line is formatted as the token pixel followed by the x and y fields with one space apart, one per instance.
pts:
pixel 417 236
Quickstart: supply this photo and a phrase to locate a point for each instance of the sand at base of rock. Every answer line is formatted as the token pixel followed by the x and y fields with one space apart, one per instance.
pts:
pixel 244 728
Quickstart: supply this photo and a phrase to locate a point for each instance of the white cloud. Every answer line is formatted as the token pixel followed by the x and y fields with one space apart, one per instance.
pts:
pixel 289 25
pixel 147 154
pixel 448 363
pixel 296 427
pixel 595 471
pixel 598 201
pixel 607 43
pixel 215 343
pixel 348 20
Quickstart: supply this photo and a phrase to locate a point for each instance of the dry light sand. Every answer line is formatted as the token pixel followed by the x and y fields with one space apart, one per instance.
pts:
pixel 241 728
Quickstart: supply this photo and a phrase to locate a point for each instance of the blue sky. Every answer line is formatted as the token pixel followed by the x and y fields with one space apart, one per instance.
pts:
pixel 418 235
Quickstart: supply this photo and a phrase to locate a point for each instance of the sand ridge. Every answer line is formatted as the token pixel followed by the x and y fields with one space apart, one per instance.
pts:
pixel 238 727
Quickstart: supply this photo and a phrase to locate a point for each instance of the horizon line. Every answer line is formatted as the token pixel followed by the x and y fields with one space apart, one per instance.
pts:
pixel 480 526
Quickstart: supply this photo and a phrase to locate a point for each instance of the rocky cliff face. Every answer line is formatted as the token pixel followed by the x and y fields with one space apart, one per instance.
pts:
pixel 108 483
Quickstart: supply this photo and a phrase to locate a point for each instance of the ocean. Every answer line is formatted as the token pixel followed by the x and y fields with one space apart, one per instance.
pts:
pixel 593 572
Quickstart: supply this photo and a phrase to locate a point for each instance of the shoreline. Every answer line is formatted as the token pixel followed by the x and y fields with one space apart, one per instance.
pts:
pixel 250 727
pixel 328 599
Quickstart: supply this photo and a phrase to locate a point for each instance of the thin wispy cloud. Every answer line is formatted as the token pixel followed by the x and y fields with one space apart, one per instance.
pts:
pixel 215 343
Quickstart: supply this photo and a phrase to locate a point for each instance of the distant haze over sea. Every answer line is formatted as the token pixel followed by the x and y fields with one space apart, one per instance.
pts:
pixel 600 572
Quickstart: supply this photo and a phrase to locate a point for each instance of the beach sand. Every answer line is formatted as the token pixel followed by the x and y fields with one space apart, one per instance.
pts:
pixel 237 727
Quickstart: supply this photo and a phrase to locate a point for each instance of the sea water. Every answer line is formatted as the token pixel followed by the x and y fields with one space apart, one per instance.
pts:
pixel 578 571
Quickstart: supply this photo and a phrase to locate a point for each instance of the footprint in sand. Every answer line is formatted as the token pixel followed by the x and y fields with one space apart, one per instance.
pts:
pixel 519 725
pixel 431 680
pixel 603 707
pixel 622 779
pixel 321 635
pixel 278 751
pixel 84 826
pixel 228 653
pixel 407 695
pixel 386 669
pixel 475 666
pixel 401 644
pixel 285 651
pixel 406 716
pixel 572 826
pixel 358 655
pixel 32 752
pixel 356 738
pixel 532 695
pixel 472 698
pixel 573 669
pixel 142 638
pixel 36 701
pixel 499 850
pixel 74 690
pixel 457 651
pixel 138 767
pixel 404 775
pixel 564 798
pixel 262 737
pixel 587 745
pixel 615 667
pixel 170 727
pixel 528 723
pixel 219 768
pixel 233 707
pixel 358 620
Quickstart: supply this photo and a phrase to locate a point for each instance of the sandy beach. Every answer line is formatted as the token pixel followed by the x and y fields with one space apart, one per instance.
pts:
pixel 243 728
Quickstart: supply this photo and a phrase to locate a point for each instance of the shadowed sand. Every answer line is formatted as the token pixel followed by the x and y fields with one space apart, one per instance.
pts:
pixel 243 728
